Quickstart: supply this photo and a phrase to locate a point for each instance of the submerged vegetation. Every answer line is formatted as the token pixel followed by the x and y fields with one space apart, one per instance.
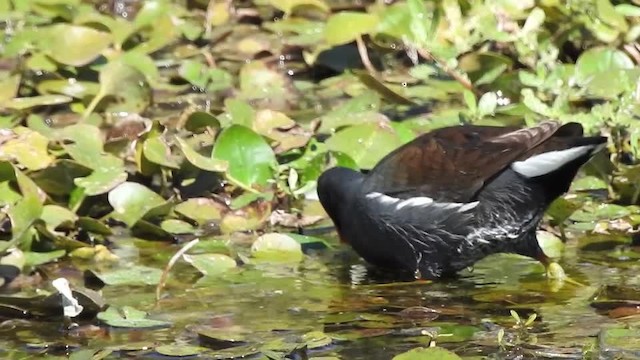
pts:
pixel 130 128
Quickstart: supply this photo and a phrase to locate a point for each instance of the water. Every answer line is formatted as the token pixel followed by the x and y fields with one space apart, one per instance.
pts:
pixel 348 313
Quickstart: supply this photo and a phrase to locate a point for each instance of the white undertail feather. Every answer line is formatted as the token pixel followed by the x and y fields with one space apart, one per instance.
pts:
pixel 419 202
pixel 548 162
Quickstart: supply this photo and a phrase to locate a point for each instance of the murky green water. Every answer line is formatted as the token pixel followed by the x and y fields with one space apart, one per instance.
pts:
pixel 334 305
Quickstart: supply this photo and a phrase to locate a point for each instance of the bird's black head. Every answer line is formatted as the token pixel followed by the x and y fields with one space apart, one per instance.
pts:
pixel 337 188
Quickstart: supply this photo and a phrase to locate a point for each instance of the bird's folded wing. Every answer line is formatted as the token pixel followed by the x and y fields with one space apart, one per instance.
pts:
pixel 453 164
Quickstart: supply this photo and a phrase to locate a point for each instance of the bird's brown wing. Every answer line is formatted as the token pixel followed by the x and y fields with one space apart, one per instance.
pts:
pixel 453 164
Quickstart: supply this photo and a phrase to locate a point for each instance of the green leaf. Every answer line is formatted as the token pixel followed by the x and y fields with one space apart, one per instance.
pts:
pixel 108 175
pixel 74 45
pixel 125 86
pixel 628 10
pixel 131 201
pixel 346 26
pixel 534 21
pixel 550 244
pixel 24 103
pixel 366 143
pixel 131 275
pixel 357 110
pixel 175 226
pixel 277 247
pixel 431 353
pixel 200 161
pixel 26 211
pixel 609 15
pixel 39 258
pixel 288 6
pixel 600 60
pixel 54 216
pixel 211 264
pixel 29 149
pixel 157 151
pixel 69 87
pixel 129 317
pixel 200 210
pixel 239 112
pixel 470 100
pixel 251 160
pixel 536 105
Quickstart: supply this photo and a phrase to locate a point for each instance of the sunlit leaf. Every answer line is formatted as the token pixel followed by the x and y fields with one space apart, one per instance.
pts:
pixel 129 317
pixel 251 160
pixel 74 45
pixel 211 264
pixel 431 353
pixel 345 26
pixel 366 143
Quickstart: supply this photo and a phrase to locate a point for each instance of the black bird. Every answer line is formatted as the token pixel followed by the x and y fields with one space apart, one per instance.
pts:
pixel 447 199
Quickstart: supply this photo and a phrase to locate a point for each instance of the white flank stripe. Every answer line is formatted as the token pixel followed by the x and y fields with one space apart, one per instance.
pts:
pixel 419 202
pixel 550 161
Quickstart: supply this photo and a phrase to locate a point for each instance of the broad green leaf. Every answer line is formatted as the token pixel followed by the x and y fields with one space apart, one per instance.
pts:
pixel 344 27
pixel 550 244
pixel 69 87
pixel 108 175
pixel 609 15
pixel 26 211
pixel 39 258
pixel 157 151
pixel 129 317
pixel 54 216
pixel 276 247
pixel 238 112
pixel 288 6
pixel 600 60
pixel 74 45
pixel 125 86
pixel 200 161
pixel 8 86
pixel 200 210
pixel 431 353
pixel 23 103
pixel 131 202
pixel 251 160
pixel 366 144
pixel 211 264
pixel 130 275
pixel 29 149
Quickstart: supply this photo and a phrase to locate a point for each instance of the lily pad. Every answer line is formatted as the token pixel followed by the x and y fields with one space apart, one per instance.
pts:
pixel 431 353
pixel 73 44
pixel 133 275
pixel 131 202
pixel 366 143
pixel 346 26
pixel 201 210
pixel 125 85
pixel 251 160
pixel 211 264
pixel 129 317
pixel 200 161
pixel 28 148
pixel 276 247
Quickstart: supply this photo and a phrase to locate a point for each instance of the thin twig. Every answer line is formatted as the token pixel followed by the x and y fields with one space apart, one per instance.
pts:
pixel 364 56
pixel 464 81
pixel 172 261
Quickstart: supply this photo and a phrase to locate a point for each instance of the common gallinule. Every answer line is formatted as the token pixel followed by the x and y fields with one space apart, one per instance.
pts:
pixel 447 199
